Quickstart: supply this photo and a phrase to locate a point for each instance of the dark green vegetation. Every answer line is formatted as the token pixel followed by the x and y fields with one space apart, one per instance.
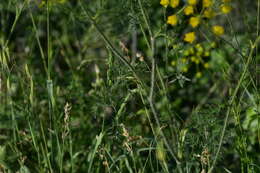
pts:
pixel 89 86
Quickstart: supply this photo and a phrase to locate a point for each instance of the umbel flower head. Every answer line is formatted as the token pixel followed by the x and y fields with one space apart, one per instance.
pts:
pixel 174 3
pixel 194 21
pixel 218 30
pixel 207 3
pixel 225 8
pixel 189 37
pixel 164 3
pixel 209 13
pixel 172 20
pixel 198 74
pixel 188 10
pixel 192 2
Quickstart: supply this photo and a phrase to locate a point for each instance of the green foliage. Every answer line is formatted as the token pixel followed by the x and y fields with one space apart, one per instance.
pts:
pixel 109 86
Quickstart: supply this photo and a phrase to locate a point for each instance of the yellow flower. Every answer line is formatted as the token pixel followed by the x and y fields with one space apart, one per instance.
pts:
pixel 184 60
pixel 174 3
pixel 199 48
pixel 192 2
pixel 188 10
pixel 173 63
pixel 197 61
pixel 172 20
pixel 186 53
pixel 193 58
pixel 206 54
pixel 185 69
pixel 191 51
pixel 213 44
pixel 206 65
pixel 190 37
pixel 194 21
pixel 198 74
pixel 164 3
pixel 207 3
pixel 42 4
pixel 175 46
pixel 208 13
pixel 218 30
pixel 225 8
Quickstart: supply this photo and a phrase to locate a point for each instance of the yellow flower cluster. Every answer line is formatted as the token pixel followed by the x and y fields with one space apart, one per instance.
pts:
pixel 195 57
pixel 195 13
pixel 196 16
pixel 172 3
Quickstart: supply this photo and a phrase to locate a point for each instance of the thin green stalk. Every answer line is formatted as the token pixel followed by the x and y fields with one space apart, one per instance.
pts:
pixel 48 40
pixel 233 30
pixel 151 102
pixel 145 37
pixel 166 43
pixel 17 16
pixel 45 148
pixel 147 113
pixel 232 102
pixel 113 161
pixel 35 145
pixel 238 46
pixel 39 44
pixel 152 72
pixel 145 19
pixel 71 153
pixel 110 45
pixel 242 143
pixel 122 106
pixel 258 66
pixel 99 139
pixel 51 100
pixel 151 94
pixel 14 122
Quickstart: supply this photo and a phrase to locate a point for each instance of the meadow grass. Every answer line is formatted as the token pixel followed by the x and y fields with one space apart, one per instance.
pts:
pixel 108 86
